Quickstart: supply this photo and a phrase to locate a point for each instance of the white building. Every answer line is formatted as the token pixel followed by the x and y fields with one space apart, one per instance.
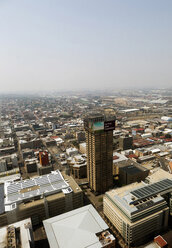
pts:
pixel 138 211
pixel 23 229
pixel 71 151
pixel 80 228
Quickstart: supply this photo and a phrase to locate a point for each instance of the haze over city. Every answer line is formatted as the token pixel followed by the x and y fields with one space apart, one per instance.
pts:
pixel 85 124
pixel 78 45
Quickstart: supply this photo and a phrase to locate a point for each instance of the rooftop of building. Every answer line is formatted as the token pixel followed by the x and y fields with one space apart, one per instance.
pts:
pixel 82 225
pixel 13 177
pixel 8 234
pixel 138 122
pixel 80 165
pixel 160 241
pixel 71 149
pixel 137 197
pixel 157 175
pixel 128 110
pixel 118 157
pixel 83 144
pixel 18 192
pixel 131 167
pixel 74 186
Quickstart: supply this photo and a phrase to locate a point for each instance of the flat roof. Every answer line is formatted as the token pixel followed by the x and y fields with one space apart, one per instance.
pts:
pixel 131 169
pixel 160 241
pixel 79 165
pixel 131 166
pixel 130 198
pixel 129 110
pixel 77 228
pixel 16 192
pixel 24 233
pixel 158 174
pixel 152 189
pixel 118 157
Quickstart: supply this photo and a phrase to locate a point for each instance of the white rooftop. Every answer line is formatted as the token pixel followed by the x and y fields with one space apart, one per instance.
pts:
pixel 76 228
pixel 16 192
pixel 24 233
pixel 120 158
pixel 129 110
pixel 71 149
pixel 13 177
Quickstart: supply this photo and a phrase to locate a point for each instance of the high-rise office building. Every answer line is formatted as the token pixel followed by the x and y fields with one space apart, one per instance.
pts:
pixel 139 211
pixel 99 147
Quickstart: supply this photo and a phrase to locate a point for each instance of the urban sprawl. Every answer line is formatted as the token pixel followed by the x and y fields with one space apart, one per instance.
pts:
pixel 86 169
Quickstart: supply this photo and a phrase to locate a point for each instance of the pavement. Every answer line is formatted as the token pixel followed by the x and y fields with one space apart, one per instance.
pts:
pixel 97 202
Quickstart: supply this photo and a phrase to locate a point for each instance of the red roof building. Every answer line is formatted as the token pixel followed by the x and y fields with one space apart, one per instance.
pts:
pixel 43 158
pixel 160 241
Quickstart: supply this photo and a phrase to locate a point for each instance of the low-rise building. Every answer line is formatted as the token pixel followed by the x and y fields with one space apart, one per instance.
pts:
pixel 3 165
pixel 129 171
pixel 79 170
pixel 71 151
pixel 82 148
pixel 31 165
pixel 126 142
pixel 19 234
pixel 80 136
pixel 80 228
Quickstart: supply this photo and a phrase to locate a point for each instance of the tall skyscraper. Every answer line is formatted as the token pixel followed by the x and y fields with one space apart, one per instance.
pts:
pixel 99 141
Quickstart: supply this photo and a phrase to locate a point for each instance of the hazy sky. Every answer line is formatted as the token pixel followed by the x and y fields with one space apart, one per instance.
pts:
pixel 78 44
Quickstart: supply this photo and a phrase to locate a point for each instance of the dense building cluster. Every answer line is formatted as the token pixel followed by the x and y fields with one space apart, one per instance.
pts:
pixel 86 170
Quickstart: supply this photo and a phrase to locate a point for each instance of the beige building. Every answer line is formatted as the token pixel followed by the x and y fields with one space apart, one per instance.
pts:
pixel 138 211
pixel 82 148
pixel 40 198
pixel 79 170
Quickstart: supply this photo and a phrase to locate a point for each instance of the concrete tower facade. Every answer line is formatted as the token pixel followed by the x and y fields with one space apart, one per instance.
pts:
pixel 99 147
